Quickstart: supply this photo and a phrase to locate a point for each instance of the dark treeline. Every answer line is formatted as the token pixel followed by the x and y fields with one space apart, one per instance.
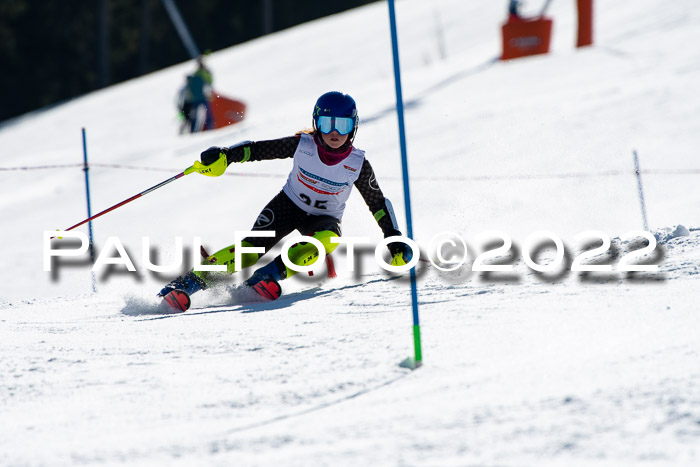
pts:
pixel 50 50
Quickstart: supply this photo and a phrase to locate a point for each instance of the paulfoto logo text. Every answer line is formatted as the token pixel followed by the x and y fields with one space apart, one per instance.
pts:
pixel 635 251
pixel 122 258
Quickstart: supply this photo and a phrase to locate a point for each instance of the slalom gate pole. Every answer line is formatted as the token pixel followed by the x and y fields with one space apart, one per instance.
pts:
pixel 640 190
pixel 187 171
pixel 418 359
pixel 86 168
pixel 181 28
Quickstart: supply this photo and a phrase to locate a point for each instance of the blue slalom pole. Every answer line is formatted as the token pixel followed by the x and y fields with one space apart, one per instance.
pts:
pixel 86 168
pixel 406 188
pixel 640 190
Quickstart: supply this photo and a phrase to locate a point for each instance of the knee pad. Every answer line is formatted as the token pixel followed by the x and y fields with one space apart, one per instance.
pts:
pixel 305 253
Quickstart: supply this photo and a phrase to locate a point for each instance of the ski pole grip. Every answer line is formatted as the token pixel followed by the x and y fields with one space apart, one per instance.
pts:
pixel 214 169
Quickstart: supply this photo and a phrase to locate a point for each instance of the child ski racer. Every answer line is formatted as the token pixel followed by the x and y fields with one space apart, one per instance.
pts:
pixel 326 166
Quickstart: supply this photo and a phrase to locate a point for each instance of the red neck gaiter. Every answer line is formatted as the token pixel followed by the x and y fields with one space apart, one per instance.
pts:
pixel 332 156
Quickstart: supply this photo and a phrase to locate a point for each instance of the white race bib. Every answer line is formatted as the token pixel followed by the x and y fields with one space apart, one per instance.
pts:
pixel 318 188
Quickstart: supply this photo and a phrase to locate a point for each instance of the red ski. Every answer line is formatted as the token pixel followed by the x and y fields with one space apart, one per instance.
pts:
pixel 178 300
pixel 268 289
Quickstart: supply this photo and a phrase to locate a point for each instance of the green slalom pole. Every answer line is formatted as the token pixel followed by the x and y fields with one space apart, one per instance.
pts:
pixel 417 360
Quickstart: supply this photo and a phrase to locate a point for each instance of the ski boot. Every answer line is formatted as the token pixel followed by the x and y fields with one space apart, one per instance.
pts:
pixel 265 281
pixel 177 293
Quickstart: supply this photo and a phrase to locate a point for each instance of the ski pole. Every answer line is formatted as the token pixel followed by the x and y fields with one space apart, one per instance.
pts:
pixel 212 170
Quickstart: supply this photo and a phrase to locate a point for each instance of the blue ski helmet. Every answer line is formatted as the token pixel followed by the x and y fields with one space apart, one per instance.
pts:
pixel 336 111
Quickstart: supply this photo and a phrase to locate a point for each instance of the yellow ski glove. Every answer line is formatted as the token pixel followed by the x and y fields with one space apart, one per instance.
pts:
pixel 214 169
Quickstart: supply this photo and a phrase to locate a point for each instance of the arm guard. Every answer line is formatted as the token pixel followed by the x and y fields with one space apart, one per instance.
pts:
pixel 281 148
pixel 380 206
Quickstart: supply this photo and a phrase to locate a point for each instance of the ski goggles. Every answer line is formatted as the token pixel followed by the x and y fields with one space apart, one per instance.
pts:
pixel 343 125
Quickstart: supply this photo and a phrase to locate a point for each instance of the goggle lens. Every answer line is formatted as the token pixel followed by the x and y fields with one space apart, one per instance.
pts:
pixel 343 125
